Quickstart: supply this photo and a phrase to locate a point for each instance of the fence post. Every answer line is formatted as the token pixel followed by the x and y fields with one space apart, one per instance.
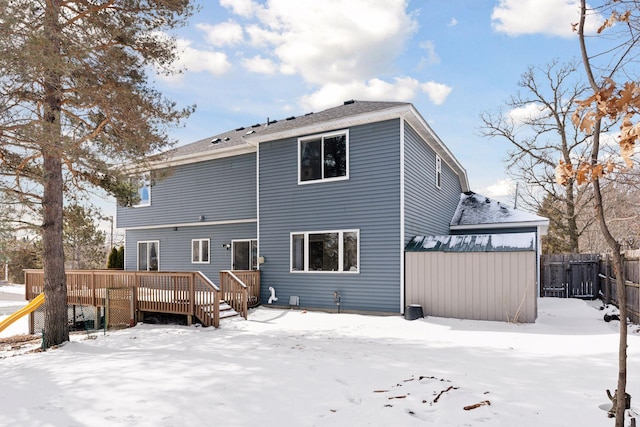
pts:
pixel 607 280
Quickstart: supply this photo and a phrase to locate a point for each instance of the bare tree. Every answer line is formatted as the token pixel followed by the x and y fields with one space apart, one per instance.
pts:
pixel 614 97
pixel 537 123
pixel 74 102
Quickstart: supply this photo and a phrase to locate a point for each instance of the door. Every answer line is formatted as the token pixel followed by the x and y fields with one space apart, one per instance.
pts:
pixel 149 256
pixel 244 255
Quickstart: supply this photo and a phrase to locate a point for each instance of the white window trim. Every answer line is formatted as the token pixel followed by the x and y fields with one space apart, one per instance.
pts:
pixel 344 132
pixel 200 251
pixel 438 177
pixel 138 254
pixel 146 178
pixel 340 251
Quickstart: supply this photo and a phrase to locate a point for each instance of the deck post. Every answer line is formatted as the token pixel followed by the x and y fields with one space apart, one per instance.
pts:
pixel 192 299
pixel 92 283
pixel 96 323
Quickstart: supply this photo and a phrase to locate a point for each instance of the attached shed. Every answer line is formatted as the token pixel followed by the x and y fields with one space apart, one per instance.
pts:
pixel 478 277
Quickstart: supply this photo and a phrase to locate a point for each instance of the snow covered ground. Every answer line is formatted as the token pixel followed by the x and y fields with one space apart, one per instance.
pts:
pixel 296 368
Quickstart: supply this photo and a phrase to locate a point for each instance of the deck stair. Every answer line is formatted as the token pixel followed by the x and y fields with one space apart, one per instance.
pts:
pixel 207 313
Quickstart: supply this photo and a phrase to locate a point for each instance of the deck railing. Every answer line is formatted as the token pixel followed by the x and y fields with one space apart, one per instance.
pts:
pixel 187 293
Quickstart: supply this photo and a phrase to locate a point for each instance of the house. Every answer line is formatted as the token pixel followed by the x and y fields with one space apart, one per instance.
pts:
pixel 322 204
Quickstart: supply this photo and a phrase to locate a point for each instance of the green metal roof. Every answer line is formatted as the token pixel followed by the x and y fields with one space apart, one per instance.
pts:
pixel 506 242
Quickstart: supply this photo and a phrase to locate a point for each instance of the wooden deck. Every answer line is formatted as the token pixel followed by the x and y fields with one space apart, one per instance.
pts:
pixel 185 293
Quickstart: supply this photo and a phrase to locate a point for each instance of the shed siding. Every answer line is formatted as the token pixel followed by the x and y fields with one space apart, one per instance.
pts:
pixel 369 201
pixel 428 209
pixel 218 190
pixel 476 285
pixel 175 246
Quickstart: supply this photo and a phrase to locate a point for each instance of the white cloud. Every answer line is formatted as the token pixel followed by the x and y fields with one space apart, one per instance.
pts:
pixel 522 115
pixel 343 49
pixel 332 40
pixel 453 22
pixel 437 92
pixel 261 37
pixel 244 8
pixel 196 60
pixel 225 34
pixel 402 90
pixel 432 57
pixel 553 17
pixel 502 188
pixel 260 65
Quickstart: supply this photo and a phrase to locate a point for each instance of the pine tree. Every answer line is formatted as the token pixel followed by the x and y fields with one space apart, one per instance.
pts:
pixel 75 101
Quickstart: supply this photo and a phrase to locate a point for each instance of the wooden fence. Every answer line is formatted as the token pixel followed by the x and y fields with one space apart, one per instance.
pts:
pixel 570 275
pixel 631 267
pixel 591 276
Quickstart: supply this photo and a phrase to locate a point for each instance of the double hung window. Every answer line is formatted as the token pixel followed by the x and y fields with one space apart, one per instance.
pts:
pixel 143 184
pixel 323 157
pixel 200 251
pixel 326 251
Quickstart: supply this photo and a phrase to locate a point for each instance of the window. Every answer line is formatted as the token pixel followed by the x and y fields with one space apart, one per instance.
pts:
pixel 148 256
pixel 326 251
pixel 438 171
pixel 323 157
pixel 144 190
pixel 200 251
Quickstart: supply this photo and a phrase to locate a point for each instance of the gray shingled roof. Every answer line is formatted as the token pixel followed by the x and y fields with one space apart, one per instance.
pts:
pixel 239 136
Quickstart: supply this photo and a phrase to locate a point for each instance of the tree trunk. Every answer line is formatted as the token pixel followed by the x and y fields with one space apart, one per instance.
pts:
pixel 622 303
pixel 56 328
pixel 572 226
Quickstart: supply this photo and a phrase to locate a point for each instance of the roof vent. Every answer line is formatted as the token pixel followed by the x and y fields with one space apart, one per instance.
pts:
pixel 239 129
pixel 308 114
pixel 227 138
pixel 250 132
pixel 215 141
pixel 291 118
pixel 351 101
pixel 257 125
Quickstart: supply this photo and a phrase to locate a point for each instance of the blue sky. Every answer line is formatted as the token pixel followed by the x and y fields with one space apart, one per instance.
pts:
pixel 247 60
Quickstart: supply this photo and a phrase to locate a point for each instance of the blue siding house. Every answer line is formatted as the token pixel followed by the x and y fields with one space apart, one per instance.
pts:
pixel 322 204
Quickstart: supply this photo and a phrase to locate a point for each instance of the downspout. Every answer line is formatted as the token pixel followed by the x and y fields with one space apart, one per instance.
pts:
pixel 402 266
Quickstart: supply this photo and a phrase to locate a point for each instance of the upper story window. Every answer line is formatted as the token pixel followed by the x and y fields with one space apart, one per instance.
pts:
pixel 326 251
pixel 323 157
pixel 200 251
pixel 144 189
pixel 438 171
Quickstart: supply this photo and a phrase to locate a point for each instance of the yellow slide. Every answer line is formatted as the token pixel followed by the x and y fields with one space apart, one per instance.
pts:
pixel 29 308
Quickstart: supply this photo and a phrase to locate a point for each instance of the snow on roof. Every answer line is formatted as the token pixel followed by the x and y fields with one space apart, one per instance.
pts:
pixel 507 242
pixel 476 209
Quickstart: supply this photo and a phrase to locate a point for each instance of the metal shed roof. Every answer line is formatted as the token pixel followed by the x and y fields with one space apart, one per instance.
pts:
pixel 507 242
